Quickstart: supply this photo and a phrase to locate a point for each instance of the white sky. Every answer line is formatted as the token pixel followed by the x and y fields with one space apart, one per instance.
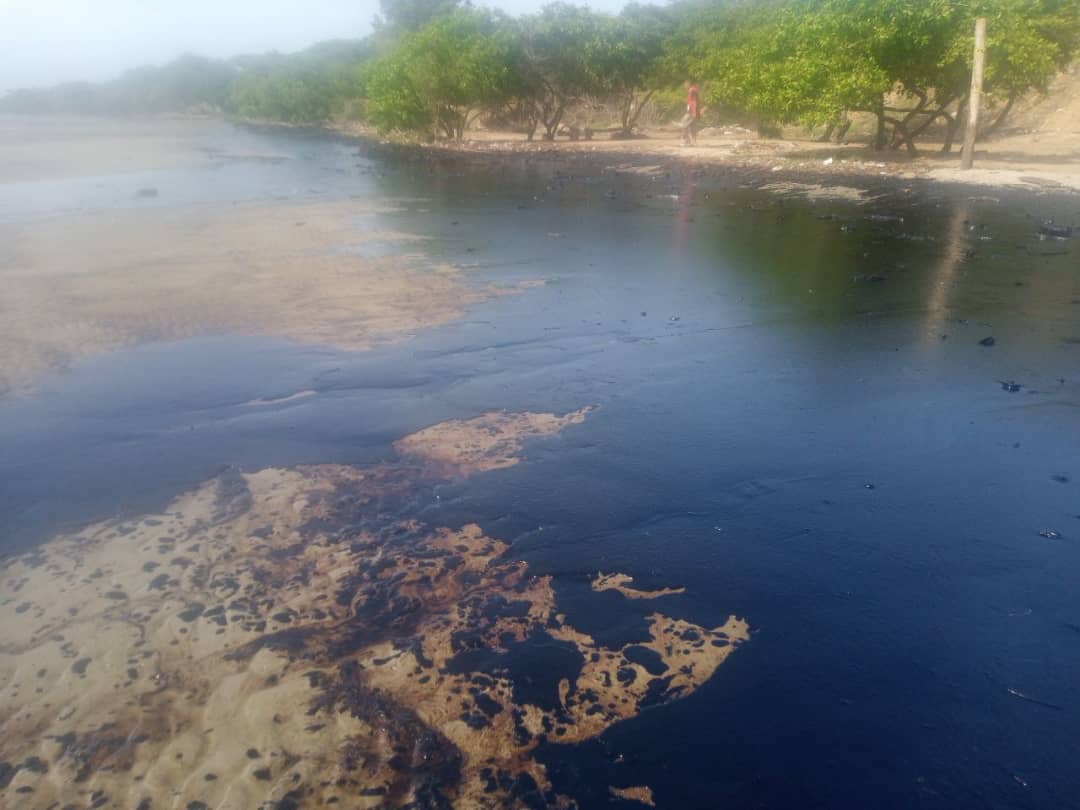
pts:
pixel 43 42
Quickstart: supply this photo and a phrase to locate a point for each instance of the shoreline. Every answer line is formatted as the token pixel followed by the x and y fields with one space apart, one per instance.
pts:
pixel 1026 162
pixel 113 252
pixel 746 157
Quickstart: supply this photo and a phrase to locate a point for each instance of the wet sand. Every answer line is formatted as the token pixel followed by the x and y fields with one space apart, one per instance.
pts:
pixel 68 146
pixel 80 285
pixel 297 637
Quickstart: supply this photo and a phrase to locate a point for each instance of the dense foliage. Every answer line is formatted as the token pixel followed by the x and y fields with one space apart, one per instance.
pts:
pixel 440 76
pixel 187 82
pixel 908 64
pixel 310 86
pixel 432 67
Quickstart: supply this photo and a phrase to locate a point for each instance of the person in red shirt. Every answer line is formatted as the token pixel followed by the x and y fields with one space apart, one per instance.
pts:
pixel 693 113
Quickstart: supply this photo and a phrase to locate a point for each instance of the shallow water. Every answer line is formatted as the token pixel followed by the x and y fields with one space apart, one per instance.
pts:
pixel 795 421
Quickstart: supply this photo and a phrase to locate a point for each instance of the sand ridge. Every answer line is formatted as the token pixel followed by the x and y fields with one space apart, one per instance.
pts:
pixel 296 638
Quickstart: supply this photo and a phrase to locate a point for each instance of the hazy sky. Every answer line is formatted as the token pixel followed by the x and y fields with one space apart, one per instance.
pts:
pixel 47 41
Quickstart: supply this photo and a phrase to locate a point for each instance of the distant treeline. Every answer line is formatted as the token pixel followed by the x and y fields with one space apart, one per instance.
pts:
pixel 312 86
pixel 433 67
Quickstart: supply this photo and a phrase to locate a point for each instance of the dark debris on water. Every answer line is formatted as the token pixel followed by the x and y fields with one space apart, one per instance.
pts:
pixel 1050 229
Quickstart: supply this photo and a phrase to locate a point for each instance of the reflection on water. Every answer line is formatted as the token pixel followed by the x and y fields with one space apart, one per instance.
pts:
pixel 781 433
pixel 943 276
pixel 684 216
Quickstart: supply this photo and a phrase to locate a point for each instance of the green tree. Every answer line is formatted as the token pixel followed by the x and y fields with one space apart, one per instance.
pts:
pixel 310 86
pixel 558 46
pixel 440 77
pixel 812 61
pixel 400 17
pixel 1028 43
pixel 625 58
pixel 440 63
pixel 187 82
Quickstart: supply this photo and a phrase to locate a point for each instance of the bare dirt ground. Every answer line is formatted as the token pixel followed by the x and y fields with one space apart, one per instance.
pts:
pixel 1039 148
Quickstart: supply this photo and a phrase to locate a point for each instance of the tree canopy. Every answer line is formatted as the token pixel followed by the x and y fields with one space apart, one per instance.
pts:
pixel 307 87
pixel 397 17
pixel 433 66
pixel 440 76
pixel 909 64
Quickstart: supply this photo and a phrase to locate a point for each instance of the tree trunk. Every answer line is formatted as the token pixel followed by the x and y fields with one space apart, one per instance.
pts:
pixel 971 130
pixel 1001 116
pixel 879 137
pixel 624 112
pixel 954 126
pixel 931 117
pixel 901 133
pixel 901 136
pixel 843 130
pixel 950 136
pixel 551 125
pixel 467 119
pixel 542 111
pixel 637 112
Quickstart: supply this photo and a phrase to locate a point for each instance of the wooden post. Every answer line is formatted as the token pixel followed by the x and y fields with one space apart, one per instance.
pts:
pixel 976 91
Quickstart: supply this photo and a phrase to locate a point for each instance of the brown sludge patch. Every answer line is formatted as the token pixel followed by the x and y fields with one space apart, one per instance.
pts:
pixel 621 583
pixel 640 794
pixel 488 442
pixel 293 638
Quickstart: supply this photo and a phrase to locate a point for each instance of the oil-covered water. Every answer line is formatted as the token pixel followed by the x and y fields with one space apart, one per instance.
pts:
pixel 799 419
